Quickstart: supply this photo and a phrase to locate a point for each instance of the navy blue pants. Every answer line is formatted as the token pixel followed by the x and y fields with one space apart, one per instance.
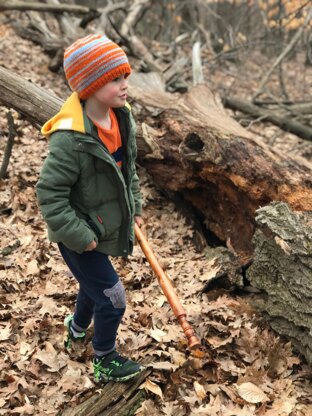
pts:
pixel 101 296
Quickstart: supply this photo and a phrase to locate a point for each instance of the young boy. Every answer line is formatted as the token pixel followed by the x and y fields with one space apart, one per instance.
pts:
pixel 89 194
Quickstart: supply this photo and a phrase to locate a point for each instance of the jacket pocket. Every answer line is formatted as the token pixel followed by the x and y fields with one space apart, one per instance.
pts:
pixel 106 220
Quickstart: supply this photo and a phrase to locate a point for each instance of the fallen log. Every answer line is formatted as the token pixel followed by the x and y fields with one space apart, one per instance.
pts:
pixel 192 148
pixel 303 107
pixel 284 122
pixel 112 399
pixel 282 269
pixel 43 7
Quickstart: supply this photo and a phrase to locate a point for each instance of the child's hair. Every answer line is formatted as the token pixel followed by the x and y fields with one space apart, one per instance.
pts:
pixel 93 61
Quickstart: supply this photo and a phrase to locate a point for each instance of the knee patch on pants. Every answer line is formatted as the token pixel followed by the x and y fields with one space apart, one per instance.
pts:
pixel 117 295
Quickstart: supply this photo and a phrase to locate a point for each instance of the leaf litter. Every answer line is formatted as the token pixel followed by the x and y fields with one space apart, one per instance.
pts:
pixel 247 369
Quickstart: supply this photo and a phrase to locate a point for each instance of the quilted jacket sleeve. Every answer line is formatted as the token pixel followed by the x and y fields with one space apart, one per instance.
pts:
pixel 59 173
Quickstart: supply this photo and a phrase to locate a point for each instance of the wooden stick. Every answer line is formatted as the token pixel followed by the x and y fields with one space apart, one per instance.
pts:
pixel 167 288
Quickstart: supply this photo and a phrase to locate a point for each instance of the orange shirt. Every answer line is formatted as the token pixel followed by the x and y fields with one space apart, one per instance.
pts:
pixel 111 138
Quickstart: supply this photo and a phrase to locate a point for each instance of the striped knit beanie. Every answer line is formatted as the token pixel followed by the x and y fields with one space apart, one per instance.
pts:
pixel 93 61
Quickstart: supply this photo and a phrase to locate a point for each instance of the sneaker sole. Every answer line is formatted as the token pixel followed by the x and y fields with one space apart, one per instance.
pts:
pixel 120 379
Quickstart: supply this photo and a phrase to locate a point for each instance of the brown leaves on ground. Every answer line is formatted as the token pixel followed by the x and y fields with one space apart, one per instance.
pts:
pixel 243 369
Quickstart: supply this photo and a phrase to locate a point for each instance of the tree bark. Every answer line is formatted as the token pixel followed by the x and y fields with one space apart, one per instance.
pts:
pixel 8 147
pixel 114 399
pixel 282 269
pixel 193 149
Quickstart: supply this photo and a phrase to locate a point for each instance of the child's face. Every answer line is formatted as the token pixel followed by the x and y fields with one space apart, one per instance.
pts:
pixel 113 94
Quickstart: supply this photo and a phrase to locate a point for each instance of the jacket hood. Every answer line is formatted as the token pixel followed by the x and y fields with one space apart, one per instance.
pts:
pixel 70 117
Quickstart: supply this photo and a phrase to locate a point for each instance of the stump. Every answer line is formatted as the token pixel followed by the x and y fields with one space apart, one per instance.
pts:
pixel 282 269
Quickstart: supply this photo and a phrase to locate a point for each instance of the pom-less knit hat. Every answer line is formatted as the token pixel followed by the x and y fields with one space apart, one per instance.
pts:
pixel 93 61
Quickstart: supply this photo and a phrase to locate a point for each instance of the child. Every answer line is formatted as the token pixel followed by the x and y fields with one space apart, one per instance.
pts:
pixel 89 194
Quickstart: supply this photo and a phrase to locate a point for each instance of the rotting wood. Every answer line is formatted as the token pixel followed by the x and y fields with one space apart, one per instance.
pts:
pixel 126 407
pixel 109 397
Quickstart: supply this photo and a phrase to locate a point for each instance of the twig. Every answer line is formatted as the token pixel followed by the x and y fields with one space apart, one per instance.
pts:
pixel 257 120
pixel 285 52
pixel 9 146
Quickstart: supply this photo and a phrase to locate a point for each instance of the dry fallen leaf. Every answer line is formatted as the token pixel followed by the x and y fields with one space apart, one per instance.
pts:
pixel 164 365
pixel 51 358
pixel 199 389
pixel 281 408
pixel 157 334
pixel 27 409
pixel 251 393
pixel 153 387
pixel 48 305
pixel 5 332
pixel 177 357
pixel 32 268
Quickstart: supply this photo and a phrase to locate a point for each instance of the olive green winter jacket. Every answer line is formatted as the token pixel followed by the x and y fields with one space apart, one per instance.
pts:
pixel 82 193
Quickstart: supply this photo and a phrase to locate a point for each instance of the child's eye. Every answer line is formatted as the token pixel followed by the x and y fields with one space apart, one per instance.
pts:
pixel 117 79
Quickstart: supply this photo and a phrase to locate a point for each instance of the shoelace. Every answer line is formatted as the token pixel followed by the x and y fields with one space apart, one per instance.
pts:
pixel 120 359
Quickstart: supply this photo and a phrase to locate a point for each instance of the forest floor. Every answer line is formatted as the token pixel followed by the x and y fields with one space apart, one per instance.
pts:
pixel 37 292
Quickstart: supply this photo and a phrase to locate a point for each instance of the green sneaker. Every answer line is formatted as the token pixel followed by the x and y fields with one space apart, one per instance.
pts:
pixel 114 367
pixel 70 336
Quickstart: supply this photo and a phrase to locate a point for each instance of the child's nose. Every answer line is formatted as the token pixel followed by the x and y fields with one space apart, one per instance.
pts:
pixel 124 83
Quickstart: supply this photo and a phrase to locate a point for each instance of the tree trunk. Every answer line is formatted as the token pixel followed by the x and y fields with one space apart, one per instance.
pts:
pixel 282 268
pixel 192 148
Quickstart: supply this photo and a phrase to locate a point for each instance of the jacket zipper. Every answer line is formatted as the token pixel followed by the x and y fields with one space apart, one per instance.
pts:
pixel 125 177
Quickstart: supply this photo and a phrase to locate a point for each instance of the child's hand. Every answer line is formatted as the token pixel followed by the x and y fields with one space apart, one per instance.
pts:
pixel 91 246
pixel 139 220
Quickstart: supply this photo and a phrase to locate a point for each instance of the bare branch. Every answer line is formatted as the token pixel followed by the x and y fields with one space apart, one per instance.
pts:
pixel 42 7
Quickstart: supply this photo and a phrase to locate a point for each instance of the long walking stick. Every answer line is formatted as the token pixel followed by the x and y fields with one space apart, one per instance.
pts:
pixel 167 289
